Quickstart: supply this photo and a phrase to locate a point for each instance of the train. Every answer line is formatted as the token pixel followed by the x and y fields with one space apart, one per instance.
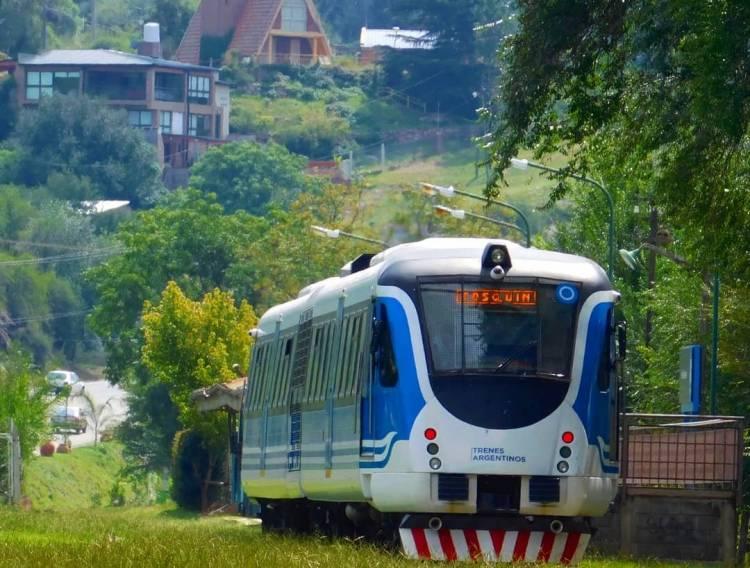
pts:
pixel 459 395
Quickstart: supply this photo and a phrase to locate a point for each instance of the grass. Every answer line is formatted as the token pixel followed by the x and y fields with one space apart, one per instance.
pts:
pixel 164 536
pixel 81 479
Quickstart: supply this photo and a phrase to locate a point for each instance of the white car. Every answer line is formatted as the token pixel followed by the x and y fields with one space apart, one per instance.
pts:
pixel 59 379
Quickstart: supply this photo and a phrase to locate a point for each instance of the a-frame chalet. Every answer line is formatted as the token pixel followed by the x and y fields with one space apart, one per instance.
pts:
pixel 267 31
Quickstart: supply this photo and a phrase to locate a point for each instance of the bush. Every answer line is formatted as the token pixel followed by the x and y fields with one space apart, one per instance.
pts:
pixel 190 466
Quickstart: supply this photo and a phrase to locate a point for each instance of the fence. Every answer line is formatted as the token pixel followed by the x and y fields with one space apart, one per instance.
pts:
pixel 681 488
pixel 10 466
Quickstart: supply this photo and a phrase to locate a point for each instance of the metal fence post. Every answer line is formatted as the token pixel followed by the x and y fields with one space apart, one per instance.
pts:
pixel 15 465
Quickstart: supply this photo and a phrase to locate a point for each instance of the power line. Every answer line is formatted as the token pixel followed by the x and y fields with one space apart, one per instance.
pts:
pixel 48 317
pixel 62 258
pixel 42 245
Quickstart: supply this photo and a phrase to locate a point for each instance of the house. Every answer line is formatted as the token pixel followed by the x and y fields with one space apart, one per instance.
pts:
pixel 373 43
pixel 181 108
pixel 266 31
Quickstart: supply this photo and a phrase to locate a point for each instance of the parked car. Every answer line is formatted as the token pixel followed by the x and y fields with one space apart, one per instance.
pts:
pixel 59 379
pixel 68 418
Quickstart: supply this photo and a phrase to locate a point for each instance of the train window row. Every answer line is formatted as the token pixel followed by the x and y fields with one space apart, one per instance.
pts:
pixel 338 353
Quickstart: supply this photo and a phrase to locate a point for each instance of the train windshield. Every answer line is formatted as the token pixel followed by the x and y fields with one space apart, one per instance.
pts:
pixel 519 329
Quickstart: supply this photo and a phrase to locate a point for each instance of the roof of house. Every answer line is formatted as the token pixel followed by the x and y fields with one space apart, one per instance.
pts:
pixel 221 396
pixel 252 28
pixel 396 38
pixel 108 57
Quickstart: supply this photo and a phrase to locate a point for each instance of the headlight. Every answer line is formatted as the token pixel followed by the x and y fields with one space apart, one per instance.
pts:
pixel 563 467
pixel 435 463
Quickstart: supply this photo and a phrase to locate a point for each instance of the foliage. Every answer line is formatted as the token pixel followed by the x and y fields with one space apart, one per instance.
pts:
pixel 194 462
pixel 173 17
pixel 191 344
pixel 23 398
pixel 250 176
pixel 149 429
pixel 186 238
pixel 308 128
pixel 285 257
pixel 648 83
pixel 73 141
pixel 9 104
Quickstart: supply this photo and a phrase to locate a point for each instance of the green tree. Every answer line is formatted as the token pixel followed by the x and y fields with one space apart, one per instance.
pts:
pixel 189 345
pixel 658 87
pixel 186 238
pixel 173 17
pixel 84 141
pixel 250 176
pixel 23 397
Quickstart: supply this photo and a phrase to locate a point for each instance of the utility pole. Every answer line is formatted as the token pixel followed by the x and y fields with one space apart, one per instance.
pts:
pixel 651 268
pixel 93 18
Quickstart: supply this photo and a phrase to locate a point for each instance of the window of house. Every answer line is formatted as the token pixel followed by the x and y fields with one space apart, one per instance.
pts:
pixel 199 90
pixel 116 85
pixel 169 87
pixel 200 125
pixel 140 118
pixel 43 83
pixel 165 122
pixel 294 16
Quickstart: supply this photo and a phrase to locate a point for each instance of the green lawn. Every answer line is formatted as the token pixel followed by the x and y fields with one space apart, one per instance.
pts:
pixel 163 536
pixel 81 479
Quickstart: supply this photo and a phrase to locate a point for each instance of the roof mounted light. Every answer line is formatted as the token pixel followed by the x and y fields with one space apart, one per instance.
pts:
pixel 497 256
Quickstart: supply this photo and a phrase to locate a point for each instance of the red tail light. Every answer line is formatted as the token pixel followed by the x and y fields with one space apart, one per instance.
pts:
pixel 568 437
pixel 430 434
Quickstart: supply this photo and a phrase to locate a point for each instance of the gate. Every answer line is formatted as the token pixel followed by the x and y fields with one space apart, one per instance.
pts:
pixel 10 466
pixel 681 487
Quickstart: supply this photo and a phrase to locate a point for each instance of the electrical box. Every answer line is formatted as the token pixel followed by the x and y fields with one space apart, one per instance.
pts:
pixel 691 378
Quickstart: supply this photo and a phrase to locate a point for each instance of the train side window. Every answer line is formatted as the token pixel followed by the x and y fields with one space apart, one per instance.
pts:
pixel 314 357
pixel 254 377
pixel 353 356
pixel 385 358
pixel 342 361
pixel 286 376
pixel 319 379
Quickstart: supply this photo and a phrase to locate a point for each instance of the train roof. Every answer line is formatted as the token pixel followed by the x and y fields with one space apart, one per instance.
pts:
pixel 442 256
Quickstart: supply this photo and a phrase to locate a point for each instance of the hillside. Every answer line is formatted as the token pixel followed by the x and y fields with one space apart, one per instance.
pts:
pixel 87 477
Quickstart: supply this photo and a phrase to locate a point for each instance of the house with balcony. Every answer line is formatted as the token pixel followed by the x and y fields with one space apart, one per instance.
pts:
pixel 265 31
pixel 181 108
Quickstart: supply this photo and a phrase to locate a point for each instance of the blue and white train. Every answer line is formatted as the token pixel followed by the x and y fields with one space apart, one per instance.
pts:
pixel 459 393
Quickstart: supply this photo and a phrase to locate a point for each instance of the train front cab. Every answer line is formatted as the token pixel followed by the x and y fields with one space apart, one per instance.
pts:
pixel 493 401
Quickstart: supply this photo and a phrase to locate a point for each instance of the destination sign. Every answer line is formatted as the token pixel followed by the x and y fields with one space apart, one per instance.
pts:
pixel 494 297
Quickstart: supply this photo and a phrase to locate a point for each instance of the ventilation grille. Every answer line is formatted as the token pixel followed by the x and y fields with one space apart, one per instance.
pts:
pixel 544 489
pixel 453 487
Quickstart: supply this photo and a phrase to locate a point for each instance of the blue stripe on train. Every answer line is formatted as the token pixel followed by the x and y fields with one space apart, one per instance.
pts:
pixel 394 408
pixel 592 406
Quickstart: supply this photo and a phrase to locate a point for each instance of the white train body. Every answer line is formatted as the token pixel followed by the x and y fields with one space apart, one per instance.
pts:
pixel 422 383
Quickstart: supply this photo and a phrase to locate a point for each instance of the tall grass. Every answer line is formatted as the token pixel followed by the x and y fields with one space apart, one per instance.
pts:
pixel 163 536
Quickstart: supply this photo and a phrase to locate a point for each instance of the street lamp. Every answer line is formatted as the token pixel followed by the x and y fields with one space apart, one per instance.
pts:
pixel 520 164
pixel 461 214
pixel 450 191
pixel 336 233
pixel 630 257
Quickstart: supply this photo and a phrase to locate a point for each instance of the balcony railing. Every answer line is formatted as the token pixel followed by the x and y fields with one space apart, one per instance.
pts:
pixel 294 59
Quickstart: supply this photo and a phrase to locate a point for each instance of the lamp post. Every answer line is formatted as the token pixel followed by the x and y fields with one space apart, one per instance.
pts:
pixel 450 191
pixel 336 233
pixel 520 164
pixel 630 257
pixel 461 214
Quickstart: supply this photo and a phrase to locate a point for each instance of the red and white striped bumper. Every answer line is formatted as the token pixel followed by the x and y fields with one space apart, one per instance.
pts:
pixel 494 545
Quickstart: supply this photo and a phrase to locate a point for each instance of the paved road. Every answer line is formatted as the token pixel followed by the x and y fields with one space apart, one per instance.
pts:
pixel 116 411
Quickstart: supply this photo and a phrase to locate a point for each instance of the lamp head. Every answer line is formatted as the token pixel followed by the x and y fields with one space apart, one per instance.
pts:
pixel 330 233
pixel 519 164
pixel 630 257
